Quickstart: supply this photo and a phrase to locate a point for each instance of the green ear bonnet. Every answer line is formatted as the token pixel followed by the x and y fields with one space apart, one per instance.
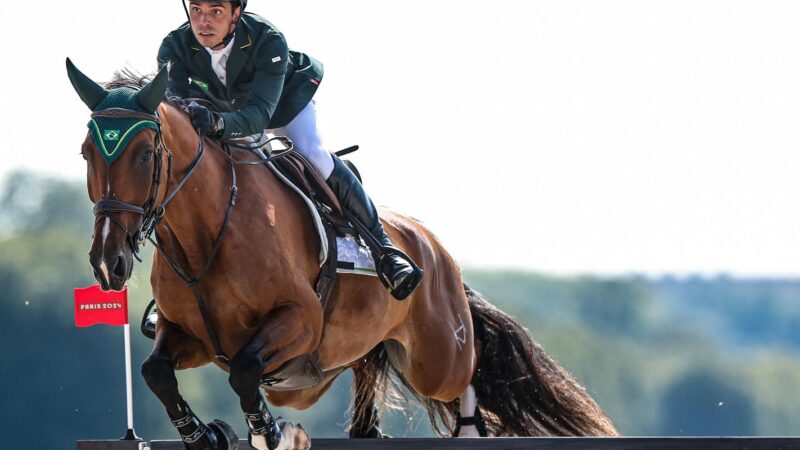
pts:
pixel 111 136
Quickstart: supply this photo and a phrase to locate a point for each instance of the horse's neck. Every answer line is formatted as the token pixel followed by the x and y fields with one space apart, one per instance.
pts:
pixel 196 213
pixel 266 208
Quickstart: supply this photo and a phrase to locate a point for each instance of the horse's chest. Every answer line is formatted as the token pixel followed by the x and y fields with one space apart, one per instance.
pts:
pixel 236 319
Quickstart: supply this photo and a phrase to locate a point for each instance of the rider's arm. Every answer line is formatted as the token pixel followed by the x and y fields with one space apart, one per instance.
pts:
pixel 178 75
pixel 271 61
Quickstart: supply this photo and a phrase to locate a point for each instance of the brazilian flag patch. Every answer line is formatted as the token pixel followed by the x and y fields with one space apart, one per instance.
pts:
pixel 111 135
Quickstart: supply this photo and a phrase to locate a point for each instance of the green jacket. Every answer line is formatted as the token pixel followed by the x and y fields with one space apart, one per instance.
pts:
pixel 267 84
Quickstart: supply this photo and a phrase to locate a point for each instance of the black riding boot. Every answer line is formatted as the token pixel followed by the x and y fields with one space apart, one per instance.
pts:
pixel 402 276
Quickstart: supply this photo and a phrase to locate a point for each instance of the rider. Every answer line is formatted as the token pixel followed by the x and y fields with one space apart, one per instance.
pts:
pixel 240 62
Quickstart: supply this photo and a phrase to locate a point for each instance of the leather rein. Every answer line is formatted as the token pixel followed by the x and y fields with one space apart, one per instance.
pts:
pixel 153 214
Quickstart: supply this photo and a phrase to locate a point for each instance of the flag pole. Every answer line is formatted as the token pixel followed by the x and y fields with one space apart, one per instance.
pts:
pixel 130 435
pixel 95 306
pixel 128 378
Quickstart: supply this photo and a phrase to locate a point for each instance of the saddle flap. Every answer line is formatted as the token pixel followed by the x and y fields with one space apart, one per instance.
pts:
pixel 307 178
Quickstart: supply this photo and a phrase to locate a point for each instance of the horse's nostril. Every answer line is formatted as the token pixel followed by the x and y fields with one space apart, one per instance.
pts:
pixel 119 268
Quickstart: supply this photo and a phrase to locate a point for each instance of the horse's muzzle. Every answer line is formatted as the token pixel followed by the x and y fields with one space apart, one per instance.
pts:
pixel 111 260
pixel 112 272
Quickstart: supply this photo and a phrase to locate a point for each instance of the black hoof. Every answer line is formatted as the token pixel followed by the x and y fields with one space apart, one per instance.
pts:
pixel 226 437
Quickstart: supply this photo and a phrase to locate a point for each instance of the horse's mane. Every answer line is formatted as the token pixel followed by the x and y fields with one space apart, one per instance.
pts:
pixel 129 78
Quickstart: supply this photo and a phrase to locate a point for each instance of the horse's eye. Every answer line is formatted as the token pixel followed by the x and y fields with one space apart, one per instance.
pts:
pixel 147 155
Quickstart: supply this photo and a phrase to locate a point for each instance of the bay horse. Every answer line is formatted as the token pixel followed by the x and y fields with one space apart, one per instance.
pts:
pixel 233 275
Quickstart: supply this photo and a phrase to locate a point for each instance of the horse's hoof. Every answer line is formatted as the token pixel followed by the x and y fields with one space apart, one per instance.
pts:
pixel 226 437
pixel 294 436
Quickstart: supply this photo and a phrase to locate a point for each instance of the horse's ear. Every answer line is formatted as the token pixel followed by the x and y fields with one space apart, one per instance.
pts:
pixel 151 95
pixel 90 92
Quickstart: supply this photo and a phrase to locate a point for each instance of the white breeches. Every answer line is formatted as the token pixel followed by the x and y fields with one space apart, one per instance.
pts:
pixel 303 131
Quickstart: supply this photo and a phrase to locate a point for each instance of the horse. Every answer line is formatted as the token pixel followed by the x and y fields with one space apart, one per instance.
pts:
pixel 233 274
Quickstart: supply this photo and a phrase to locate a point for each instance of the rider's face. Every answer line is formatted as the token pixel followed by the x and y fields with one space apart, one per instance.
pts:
pixel 211 22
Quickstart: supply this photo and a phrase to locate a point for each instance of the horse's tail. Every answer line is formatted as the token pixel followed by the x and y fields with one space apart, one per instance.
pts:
pixel 521 390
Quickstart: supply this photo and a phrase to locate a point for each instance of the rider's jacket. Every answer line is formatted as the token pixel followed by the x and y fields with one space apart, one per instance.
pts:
pixel 267 84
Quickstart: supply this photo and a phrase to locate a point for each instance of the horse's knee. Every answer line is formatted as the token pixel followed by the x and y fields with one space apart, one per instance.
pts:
pixel 159 373
pixel 245 371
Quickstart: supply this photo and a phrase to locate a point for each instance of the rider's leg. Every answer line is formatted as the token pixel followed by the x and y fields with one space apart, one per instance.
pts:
pixel 302 130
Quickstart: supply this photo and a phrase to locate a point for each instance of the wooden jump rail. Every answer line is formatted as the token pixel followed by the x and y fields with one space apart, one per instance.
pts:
pixel 623 443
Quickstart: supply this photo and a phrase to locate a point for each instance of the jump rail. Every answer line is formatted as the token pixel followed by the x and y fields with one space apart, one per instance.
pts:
pixel 623 443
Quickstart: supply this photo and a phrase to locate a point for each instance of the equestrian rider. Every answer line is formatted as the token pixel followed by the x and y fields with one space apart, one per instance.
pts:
pixel 240 62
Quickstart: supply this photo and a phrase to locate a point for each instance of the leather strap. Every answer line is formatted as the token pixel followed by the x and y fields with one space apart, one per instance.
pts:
pixel 122 113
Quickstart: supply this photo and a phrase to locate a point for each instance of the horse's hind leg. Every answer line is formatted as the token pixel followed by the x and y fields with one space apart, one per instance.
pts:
pixel 365 415
pixel 172 348
pixel 469 422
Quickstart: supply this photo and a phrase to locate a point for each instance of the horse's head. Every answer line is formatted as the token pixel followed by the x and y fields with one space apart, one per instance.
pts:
pixel 124 171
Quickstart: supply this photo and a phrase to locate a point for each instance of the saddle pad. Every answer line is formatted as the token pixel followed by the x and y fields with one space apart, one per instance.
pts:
pixel 354 257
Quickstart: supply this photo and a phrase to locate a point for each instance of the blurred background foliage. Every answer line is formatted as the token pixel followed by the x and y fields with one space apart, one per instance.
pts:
pixel 663 356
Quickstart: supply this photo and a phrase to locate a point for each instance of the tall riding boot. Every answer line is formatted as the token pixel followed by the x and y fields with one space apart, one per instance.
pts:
pixel 402 276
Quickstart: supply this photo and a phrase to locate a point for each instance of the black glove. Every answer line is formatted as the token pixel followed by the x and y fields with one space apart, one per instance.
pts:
pixel 205 121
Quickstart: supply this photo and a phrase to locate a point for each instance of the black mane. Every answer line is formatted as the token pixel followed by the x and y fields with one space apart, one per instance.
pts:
pixel 128 78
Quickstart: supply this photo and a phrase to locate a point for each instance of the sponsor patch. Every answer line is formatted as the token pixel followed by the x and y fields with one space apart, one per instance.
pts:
pixel 314 81
pixel 276 59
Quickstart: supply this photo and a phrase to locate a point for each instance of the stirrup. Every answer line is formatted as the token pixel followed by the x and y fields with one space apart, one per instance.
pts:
pixel 149 320
pixel 408 284
pixel 476 419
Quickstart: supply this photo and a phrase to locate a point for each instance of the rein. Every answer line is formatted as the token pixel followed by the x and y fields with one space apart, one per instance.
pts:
pixel 153 215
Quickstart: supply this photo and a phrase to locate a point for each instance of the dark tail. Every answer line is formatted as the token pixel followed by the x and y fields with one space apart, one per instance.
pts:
pixel 521 390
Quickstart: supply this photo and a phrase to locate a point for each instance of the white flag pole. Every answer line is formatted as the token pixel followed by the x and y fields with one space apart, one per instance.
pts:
pixel 130 435
pixel 128 378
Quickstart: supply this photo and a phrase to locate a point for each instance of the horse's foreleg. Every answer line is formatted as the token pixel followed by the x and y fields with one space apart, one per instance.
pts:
pixel 173 347
pixel 283 335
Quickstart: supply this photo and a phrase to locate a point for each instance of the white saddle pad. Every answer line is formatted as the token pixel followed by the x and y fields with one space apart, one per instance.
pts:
pixel 354 257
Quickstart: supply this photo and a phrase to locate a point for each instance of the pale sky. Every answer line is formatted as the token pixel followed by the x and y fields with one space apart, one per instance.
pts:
pixel 569 137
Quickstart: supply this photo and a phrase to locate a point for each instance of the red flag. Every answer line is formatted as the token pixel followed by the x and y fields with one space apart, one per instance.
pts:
pixel 94 306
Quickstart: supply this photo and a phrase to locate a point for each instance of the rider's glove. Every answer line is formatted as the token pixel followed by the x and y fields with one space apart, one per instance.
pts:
pixel 205 121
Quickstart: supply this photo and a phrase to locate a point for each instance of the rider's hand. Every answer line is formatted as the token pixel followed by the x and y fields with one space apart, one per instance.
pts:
pixel 205 121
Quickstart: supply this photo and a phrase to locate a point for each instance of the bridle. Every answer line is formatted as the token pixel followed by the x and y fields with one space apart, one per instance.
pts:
pixel 150 213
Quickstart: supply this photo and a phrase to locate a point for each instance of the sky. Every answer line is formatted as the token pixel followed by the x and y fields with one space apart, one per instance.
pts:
pixel 566 137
